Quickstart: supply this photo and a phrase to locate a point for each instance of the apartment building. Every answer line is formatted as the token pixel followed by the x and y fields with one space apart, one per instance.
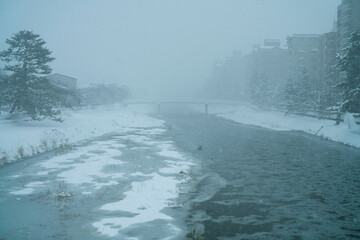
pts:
pixel 348 20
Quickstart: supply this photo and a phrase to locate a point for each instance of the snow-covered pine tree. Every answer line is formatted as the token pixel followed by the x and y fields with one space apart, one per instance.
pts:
pixel 4 91
pixel 25 89
pixel 349 62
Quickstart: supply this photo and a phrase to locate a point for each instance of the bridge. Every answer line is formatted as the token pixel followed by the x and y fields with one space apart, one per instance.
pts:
pixel 202 102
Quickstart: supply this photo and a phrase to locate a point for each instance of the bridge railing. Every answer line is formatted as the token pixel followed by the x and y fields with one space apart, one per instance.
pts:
pixel 202 102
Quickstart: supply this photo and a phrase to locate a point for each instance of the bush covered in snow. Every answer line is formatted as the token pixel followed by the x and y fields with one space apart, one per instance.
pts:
pixel 100 94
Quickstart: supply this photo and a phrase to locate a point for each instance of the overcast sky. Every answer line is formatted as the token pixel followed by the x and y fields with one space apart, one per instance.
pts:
pixel 158 47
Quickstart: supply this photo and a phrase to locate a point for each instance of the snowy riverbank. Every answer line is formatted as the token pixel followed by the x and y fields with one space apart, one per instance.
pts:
pixel 19 138
pixel 120 185
pixel 283 122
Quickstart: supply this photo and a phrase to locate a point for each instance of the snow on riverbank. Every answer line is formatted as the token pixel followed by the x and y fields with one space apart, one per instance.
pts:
pixel 283 122
pixel 136 179
pixel 19 138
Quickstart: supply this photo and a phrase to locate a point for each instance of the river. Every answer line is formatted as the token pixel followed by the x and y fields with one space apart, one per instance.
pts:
pixel 256 183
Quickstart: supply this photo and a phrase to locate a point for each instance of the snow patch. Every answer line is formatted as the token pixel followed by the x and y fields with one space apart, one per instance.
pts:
pixel 349 121
pixel 38 136
pixel 35 184
pixel 145 199
pixel 347 132
pixel 84 166
pixel 167 151
pixel 24 191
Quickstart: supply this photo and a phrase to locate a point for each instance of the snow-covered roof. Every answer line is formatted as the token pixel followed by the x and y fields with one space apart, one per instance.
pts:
pixel 305 35
pixel 58 75
pixel 63 80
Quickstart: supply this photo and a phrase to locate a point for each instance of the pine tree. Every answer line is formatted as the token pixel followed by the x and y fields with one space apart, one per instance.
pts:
pixel 25 89
pixel 5 99
pixel 350 64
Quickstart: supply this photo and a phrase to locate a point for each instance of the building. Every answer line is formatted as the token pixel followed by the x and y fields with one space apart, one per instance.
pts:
pixel 348 20
pixel 267 64
pixel 226 80
pixel 305 57
pixel 63 80
pixel 271 60
pixel 328 56
pixel 272 42
pixel 329 73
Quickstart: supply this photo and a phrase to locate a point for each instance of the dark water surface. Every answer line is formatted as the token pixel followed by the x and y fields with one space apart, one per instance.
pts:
pixel 256 183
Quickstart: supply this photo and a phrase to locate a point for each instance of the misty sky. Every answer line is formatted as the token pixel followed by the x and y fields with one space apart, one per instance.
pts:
pixel 157 47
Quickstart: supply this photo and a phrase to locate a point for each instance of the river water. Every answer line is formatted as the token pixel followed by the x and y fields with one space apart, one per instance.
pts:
pixel 249 183
pixel 255 183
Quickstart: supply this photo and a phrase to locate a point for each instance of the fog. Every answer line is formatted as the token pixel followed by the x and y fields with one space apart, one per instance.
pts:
pixel 160 48
pixel 179 119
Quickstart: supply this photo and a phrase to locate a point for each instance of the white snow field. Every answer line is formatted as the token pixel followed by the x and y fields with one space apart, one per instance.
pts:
pixel 19 138
pixel 346 132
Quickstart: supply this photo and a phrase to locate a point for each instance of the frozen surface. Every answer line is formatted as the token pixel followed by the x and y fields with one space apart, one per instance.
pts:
pixel 284 122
